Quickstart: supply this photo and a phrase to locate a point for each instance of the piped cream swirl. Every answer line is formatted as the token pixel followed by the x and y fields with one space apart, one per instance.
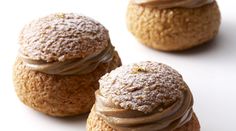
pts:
pixel 70 67
pixel 163 4
pixel 160 119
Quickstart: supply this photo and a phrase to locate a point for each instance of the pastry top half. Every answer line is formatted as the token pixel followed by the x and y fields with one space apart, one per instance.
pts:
pixel 163 4
pixel 144 96
pixel 51 43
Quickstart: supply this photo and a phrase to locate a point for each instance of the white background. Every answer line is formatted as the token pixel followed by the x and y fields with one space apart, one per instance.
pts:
pixel 209 70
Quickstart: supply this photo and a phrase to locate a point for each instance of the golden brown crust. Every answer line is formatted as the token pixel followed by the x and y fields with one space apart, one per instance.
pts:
pixel 173 29
pixel 59 95
pixel 63 36
pixel 142 81
pixel 96 123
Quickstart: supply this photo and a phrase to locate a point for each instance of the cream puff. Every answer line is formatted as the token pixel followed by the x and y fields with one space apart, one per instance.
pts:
pixel 172 25
pixel 60 60
pixel 146 96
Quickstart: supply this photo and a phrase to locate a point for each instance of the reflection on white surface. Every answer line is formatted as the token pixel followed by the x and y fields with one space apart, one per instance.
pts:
pixel 209 70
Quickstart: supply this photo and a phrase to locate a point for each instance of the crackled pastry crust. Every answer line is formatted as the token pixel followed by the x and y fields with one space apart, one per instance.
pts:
pixel 175 28
pixel 62 36
pixel 59 95
pixel 148 77
pixel 143 96
pixel 52 44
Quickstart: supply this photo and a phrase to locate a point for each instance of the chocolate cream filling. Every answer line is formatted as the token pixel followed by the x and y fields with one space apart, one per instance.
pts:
pixel 163 4
pixel 78 66
pixel 160 119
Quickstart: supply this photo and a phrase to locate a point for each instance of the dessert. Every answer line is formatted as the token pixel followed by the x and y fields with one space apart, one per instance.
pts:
pixel 61 58
pixel 173 25
pixel 144 96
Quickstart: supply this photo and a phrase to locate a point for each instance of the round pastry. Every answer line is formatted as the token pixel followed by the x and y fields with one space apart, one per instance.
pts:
pixel 146 96
pixel 172 25
pixel 61 58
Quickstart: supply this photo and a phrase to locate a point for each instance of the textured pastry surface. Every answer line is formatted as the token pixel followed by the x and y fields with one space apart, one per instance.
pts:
pixel 173 29
pixel 142 96
pixel 59 95
pixel 136 86
pixel 62 36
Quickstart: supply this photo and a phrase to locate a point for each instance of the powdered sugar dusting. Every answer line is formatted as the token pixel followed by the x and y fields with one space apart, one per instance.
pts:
pixel 61 36
pixel 142 86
